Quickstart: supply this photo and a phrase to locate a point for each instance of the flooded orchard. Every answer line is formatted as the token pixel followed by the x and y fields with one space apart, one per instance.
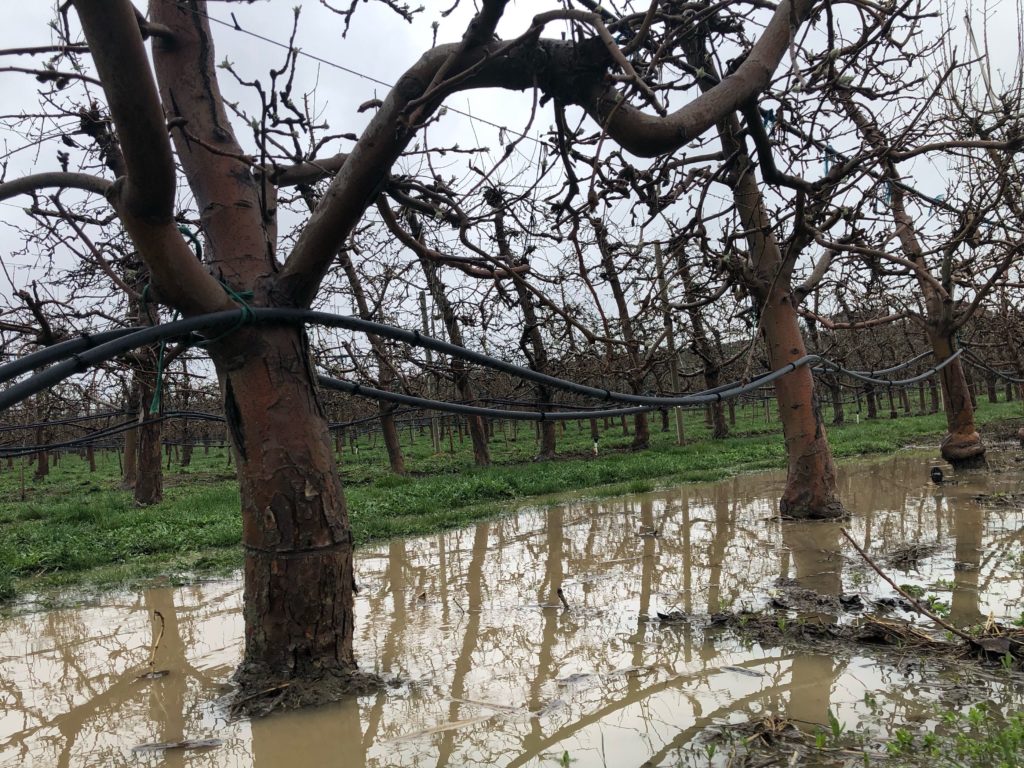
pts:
pixel 486 665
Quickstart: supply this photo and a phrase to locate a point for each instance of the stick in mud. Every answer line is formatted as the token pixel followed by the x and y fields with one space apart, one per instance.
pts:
pixel 917 606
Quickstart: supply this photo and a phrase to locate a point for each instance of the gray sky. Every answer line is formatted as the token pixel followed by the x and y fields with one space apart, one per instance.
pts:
pixel 379 45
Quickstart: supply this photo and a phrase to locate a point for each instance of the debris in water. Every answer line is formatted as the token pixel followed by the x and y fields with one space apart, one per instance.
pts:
pixel 162 746
pixel 673 617
pixel 561 596
pixel 441 728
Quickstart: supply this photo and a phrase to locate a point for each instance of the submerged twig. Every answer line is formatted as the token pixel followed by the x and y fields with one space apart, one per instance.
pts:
pixel 153 674
pixel 156 641
pixel 917 606
pixel 561 596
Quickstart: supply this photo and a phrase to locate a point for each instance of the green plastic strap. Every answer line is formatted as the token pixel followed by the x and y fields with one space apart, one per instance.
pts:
pixel 196 245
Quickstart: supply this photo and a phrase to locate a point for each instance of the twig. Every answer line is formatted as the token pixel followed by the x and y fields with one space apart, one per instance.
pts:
pixel 561 596
pixel 917 606
pixel 156 642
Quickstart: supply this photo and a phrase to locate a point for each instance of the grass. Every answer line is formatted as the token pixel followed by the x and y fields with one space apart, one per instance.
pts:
pixel 77 528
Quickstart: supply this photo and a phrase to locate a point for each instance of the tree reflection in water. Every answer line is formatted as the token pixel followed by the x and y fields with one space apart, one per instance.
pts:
pixel 485 671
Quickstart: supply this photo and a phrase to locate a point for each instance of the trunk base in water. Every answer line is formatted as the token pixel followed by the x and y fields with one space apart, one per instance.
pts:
pixel 257 695
pixel 964 451
pixel 810 509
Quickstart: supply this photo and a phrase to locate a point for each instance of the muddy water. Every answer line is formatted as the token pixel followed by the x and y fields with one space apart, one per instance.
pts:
pixel 490 670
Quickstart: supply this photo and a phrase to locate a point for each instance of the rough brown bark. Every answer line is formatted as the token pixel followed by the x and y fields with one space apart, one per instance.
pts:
pixel 872 400
pixel 962 447
pixel 298 545
pixel 148 487
pixel 810 490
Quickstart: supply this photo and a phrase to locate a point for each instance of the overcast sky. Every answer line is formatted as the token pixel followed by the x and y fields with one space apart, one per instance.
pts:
pixel 380 46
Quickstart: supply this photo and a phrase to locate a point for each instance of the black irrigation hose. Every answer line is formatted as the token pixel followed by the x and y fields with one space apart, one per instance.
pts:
pixel 893 369
pixel 76 442
pixel 57 422
pixel 994 371
pixel 473 410
pixel 59 352
pixel 126 339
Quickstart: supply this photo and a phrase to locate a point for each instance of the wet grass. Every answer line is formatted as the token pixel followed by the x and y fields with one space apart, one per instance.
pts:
pixel 78 528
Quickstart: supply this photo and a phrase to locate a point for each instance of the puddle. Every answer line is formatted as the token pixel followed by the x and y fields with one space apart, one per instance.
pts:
pixel 494 672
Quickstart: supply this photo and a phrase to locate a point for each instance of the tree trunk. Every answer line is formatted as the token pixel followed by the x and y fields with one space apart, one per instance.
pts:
pixel 298 595
pixel 962 447
pixel 460 373
pixel 836 391
pixel 641 432
pixel 810 490
pixel 149 484
pixel 869 395
pixel 385 369
pixel 811 478
pixel 149 479
pixel 531 341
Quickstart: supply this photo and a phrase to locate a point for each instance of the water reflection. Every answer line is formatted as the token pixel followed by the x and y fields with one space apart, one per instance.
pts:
pixel 489 667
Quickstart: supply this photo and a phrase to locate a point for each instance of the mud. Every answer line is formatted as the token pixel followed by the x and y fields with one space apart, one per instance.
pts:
pixel 485 666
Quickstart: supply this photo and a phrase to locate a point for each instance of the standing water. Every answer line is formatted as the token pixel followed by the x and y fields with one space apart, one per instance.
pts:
pixel 488 667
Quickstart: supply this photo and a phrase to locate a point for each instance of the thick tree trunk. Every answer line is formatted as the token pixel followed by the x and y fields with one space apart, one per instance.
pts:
pixel 149 485
pixel 811 478
pixel 298 595
pixel 810 491
pixel 962 447
pixel 392 441
pixel 641 432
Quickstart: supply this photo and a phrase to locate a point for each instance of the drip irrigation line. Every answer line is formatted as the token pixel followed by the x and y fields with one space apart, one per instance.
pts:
pixel 59 351
pixel 28 450
pixel 969 355
pixel 905 364
pixel 894 382
pixel 473 410
pixel 73 420
pixel 127 339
